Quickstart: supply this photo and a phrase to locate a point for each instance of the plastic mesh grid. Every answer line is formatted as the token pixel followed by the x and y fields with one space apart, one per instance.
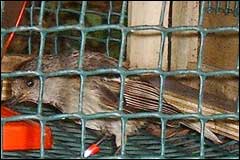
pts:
pixel 67 142
pixel 163 147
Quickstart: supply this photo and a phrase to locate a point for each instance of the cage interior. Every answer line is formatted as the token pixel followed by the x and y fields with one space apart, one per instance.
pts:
pixel 99 26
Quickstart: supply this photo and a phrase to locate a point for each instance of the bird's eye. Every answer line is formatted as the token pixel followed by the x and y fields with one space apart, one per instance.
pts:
pixel 29 83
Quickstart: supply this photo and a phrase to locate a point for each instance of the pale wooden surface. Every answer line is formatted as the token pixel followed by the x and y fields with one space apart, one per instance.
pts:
pixel 228 128
pixel 184 45
pixel 220 53
pixel 223 87
pixel 143 46
pixel 220 50
pixel 186 99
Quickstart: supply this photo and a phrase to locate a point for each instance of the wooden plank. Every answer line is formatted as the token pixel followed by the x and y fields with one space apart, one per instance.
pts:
pixel 220 53
pixel 143 47
pixel 185 99
pixel 220 49
pixel 184 45
pixel 226 86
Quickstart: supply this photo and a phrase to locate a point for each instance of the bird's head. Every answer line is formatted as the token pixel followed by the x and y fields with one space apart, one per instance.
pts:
pixel 27 87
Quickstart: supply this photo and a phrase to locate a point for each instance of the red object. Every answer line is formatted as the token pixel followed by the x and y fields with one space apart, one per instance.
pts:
pixel 19 19
pixel 92 150
pixel 23 135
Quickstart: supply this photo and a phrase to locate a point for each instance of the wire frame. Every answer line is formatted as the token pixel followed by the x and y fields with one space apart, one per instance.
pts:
pixel 77 137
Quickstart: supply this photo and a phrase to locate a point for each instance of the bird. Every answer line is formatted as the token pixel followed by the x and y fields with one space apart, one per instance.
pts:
pixel 100 93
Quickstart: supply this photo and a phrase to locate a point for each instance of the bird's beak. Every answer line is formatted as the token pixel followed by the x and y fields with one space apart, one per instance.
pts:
pixel 14 100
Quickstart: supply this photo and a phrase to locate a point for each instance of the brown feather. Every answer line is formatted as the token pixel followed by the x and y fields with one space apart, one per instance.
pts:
pixel 100 94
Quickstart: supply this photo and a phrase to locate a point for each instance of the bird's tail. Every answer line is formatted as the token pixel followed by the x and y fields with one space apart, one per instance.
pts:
pixel 195 125
pixel 144 97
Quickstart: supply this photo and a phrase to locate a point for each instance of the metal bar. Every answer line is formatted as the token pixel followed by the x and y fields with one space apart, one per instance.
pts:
pixel 123 73
pixel 109 31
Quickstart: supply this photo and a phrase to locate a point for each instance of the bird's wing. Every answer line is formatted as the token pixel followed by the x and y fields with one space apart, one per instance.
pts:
pixel 142 96
pixel 138 96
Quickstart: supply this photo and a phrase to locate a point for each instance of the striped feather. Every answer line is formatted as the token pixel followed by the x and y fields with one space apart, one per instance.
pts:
pixel 143 97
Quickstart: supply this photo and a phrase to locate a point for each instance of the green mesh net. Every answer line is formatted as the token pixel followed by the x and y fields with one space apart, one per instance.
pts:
pixel 84 26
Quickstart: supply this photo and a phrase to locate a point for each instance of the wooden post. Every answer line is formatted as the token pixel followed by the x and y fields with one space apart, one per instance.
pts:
pixel 220 49
pixel 184 45
pixel 221 52
pixel 144 46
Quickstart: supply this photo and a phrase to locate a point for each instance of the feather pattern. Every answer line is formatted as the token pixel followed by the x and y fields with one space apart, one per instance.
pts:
pixel 100 94
pixel 142 97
